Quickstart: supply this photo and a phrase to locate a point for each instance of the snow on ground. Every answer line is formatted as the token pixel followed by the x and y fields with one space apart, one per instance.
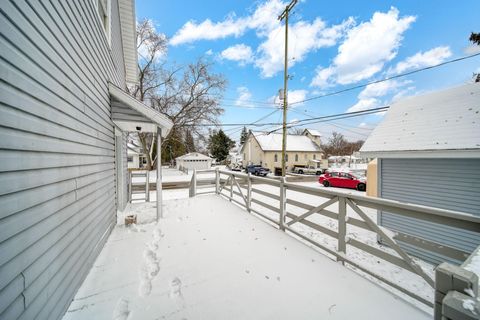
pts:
pixel 398 275
pixel 209 259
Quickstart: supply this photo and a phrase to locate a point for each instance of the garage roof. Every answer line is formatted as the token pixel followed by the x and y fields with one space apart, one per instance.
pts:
pixel 439 124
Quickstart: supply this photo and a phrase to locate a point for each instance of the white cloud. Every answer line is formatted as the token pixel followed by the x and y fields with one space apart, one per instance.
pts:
pixel 366 49
pixel 472 49
pixel 263 19
pixel 304 38
pixel 209 52
pixel 239 53
pixel 294 96
pixel 244 96
pixel 422 59
pixel 382 88
pixel 368 98
pixel 364 104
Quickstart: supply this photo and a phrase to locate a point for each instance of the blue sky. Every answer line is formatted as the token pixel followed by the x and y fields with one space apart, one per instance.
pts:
pixel 333 45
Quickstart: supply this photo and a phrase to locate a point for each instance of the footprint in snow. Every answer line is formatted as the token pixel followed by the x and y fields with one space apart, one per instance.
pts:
pixel 175 288
pixel 121 311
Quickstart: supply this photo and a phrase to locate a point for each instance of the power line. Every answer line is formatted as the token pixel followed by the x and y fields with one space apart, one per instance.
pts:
pixel 337 116
pixel 385 79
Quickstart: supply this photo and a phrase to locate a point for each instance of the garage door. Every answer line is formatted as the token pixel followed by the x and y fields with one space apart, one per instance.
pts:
pixel 443 183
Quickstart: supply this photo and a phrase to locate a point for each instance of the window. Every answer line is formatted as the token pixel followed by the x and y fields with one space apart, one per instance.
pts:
pixel 275 158
pixel 130 158
pixel 286 157
pixel 103 9
pixel 296 158
pixel 314 156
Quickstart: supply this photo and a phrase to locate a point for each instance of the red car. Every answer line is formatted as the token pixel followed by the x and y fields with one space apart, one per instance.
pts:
pixel 343 180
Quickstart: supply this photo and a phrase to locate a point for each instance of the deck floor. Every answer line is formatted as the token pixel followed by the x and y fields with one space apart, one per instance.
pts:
pixel 209 259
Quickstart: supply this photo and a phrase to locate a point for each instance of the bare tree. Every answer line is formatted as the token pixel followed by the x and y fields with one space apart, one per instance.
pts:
pixel 188 95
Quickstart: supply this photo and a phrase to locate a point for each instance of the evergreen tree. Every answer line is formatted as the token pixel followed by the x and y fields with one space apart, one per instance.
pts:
pixel 475 38
pixel 173 147
pixel 243 136
pixel 189 142
pixel 219 145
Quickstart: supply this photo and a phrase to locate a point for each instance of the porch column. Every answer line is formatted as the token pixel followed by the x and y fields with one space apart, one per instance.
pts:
pixel 159 174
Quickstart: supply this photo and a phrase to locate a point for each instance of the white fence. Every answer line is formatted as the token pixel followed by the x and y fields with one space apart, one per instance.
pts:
pixel 239 187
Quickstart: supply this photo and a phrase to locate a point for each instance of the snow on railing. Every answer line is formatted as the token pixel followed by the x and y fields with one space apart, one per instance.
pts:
pixel 238 188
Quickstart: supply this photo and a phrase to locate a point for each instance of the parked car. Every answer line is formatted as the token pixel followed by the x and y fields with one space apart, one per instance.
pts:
pixel 257 170
pixel 343 180
pixel 234 167
pixel 308 170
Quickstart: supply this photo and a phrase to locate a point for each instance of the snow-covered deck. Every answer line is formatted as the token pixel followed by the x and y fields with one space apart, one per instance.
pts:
pixel 209 259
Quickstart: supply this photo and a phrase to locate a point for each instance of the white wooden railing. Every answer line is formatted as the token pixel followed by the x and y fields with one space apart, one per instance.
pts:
pixel 240 187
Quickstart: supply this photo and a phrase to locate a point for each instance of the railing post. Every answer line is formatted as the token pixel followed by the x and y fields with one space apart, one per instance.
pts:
pixel 342 226
pixel 147 186
pixel 249 193
pixel 130 186
pixel 283 204
pixel 217 181
pixel 193 185
pixel 231 187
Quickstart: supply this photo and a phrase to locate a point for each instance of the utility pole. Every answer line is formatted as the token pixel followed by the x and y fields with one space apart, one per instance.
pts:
pixel 284 15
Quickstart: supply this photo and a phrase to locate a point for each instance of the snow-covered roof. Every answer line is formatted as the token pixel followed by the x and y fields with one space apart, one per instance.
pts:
pixel 440 124
pixel 315 133
pixel 273 142
pixel 193 156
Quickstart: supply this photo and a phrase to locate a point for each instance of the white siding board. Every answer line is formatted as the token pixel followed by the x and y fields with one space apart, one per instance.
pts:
pixel 25 72
pixel 72 217
pixel 443 183
pixel 22 101
pixel 15 160
pixel 60 281
pixel 20 120
pixel 35 47
pixel 23 240
pixel 65 256
pixel 57 154
pixel 9 293
pixel 14 310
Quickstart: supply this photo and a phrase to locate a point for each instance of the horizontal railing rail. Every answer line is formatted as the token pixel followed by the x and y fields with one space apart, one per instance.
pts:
pixel 237 188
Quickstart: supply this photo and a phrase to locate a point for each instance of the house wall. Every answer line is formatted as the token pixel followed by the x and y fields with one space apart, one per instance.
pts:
pixel 268 159
pixel 57 151
pixel 252 153
pixel 443 183
pixel 315 139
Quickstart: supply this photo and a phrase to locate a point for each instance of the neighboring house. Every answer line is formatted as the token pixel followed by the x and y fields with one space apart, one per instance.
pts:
pixel 64 118
pixel 314 135
pixel 266 149
pixel 194 160
pixel 428 150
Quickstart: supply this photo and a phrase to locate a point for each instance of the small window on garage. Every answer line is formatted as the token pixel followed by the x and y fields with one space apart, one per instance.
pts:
pixel 314 156
pixel 275 158
pixel 286 157
pixel 296 158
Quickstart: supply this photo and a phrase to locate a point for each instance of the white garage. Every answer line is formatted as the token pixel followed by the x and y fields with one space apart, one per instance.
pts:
pixel 194 160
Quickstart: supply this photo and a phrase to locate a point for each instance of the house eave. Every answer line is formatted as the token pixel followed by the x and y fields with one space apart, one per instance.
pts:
pixel 137 116
pixel 428 154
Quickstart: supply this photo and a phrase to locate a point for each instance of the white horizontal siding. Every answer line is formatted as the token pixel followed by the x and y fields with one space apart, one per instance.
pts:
pixel 443 183
pixel 57 150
